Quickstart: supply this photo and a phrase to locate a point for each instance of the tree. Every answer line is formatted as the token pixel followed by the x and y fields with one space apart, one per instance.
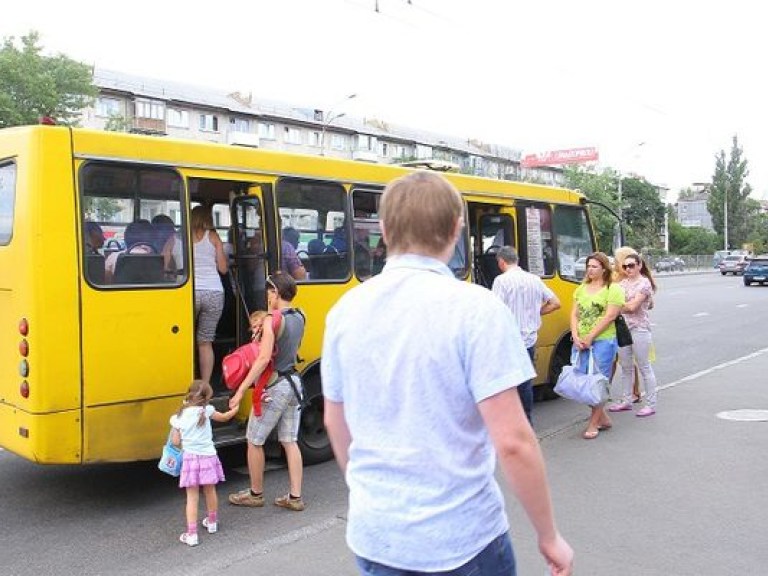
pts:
pixel 643 213
pixel 642 209
pixel 598 187
pixel 33 85
pixel 728 182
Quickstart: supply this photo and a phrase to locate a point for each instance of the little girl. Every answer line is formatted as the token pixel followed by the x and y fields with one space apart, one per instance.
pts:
pixel 201 465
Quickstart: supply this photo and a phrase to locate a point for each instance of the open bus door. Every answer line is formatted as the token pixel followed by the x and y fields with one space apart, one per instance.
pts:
pixel 251 260
pixel 491 227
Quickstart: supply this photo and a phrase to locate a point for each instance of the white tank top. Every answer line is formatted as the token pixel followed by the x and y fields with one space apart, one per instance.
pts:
pixel 206 273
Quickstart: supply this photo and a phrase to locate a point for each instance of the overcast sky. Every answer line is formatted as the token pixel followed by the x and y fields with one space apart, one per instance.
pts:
pixel 659 87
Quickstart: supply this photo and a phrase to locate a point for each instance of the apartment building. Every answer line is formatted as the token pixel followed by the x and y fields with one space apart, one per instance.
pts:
pixel 157 107
pixel 693 211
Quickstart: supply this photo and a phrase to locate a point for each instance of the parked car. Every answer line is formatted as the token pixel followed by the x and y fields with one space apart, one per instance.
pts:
pixel 733 264
pixel 756 271
pixel 670 265
pixel 580 268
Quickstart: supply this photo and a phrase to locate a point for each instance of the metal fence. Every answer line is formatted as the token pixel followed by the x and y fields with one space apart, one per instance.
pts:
pixel 682 263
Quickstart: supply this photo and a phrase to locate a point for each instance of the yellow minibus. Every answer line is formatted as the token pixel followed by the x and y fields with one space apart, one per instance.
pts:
pixel 97 342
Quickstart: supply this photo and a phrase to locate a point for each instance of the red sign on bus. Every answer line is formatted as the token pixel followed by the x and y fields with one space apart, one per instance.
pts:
pixel 551 158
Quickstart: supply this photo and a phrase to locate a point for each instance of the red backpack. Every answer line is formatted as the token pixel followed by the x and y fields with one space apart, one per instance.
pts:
pixel 235 366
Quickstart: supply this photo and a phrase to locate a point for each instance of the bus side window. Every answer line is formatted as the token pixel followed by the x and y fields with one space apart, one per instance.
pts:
pixel 317 211
pixel 369 250
pixel 132 209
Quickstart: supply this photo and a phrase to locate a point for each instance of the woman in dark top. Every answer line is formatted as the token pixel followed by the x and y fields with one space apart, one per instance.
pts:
pixel 281 403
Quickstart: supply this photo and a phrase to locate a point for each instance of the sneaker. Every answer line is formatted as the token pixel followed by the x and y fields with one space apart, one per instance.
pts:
pixel 295 504
pixel 245 498
pixel 188 539
pixel 647 411
pixel 620 407
pixel 212 526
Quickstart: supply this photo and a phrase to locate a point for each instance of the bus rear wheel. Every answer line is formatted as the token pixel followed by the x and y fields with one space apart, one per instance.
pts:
pixel 313 438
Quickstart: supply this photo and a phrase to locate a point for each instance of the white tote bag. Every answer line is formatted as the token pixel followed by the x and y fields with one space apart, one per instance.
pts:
pixel 590 388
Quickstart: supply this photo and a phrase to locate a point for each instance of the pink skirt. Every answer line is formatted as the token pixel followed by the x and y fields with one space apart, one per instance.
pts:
pixel 200 470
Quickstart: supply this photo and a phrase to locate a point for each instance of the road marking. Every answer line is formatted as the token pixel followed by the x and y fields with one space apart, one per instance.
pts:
pixel 714 369
pixel 741 305
pixel 700 314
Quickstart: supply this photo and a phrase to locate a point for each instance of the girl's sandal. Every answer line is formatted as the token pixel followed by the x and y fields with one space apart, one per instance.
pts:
pixel 590 434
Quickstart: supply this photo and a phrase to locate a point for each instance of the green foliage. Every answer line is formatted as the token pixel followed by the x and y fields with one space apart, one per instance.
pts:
pixel 642 209
pixel 728 182
pixel 643 213
pixel 118 123
pixel 599 187
pixel 100 209
pixel 693 240
pixel 33 85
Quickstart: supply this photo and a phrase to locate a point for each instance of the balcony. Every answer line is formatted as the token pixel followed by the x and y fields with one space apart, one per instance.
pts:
pixel 149 126
pixel 365 156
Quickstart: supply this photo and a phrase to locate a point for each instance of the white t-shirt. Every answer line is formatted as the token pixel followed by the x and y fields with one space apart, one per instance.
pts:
pixel 410 353
pixel 195 439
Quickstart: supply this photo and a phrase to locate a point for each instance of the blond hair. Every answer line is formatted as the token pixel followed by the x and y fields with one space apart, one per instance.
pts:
pixel 419 212
pixel 257 318
pixel 201 218
pixel 618 259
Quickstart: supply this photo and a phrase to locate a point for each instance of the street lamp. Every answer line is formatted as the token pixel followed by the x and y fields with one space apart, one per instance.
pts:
pixel 330 119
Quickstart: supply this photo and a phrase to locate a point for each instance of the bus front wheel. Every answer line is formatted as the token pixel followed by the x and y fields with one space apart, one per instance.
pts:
pixel 313 439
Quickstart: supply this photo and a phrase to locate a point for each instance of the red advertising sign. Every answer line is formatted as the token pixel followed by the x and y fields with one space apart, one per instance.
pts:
pixel 551 158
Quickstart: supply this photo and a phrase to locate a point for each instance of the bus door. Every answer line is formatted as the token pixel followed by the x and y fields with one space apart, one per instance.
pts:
pixel 492 226
pixel 251 261
pixel 136 321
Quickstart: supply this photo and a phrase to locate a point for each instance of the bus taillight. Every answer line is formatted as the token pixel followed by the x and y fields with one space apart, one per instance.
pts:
pixel 23 327
pixel 24 348
pixel 24 389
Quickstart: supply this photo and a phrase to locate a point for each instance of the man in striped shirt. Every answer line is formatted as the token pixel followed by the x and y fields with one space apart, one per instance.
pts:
pixel 529 299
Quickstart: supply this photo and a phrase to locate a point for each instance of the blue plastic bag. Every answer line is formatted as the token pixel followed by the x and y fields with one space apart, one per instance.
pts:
pixel 170 461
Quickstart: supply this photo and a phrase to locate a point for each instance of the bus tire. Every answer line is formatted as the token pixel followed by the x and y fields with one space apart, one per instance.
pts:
pixel 561 357
pixel 313 438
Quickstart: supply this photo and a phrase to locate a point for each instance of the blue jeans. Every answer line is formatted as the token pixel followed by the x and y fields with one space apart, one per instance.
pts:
pixel 603 355
pixel 496 559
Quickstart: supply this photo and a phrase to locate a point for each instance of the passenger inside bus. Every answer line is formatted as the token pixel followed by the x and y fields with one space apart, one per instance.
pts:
pixel 138 240
pixel 290 261
pixel 167 243
pixel 94 238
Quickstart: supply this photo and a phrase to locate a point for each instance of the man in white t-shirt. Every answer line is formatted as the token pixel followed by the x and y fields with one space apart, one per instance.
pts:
pixel 528 298
pixel 419 402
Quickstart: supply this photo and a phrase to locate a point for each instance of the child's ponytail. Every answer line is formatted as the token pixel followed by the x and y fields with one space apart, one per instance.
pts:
pixel 199 394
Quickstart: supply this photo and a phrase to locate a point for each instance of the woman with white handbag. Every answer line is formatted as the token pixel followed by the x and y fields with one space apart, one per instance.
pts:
pixel 596 303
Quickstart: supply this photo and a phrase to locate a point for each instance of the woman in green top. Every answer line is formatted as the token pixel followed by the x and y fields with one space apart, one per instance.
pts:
pixel 596 303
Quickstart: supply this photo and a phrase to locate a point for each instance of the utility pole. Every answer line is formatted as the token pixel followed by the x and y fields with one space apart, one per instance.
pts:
pixel 725 216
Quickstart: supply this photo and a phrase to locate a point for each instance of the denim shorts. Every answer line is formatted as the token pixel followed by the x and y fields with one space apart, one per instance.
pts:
pixel 603 352
pixel 496 559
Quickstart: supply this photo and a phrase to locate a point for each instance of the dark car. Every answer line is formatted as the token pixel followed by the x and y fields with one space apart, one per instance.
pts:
pixel 756 271
pixel 669 265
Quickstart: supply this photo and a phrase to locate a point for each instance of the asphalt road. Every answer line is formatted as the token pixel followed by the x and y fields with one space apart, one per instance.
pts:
pixel 680 493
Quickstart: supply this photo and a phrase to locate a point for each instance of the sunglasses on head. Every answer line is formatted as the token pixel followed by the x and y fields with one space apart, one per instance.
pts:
pixel 628 265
